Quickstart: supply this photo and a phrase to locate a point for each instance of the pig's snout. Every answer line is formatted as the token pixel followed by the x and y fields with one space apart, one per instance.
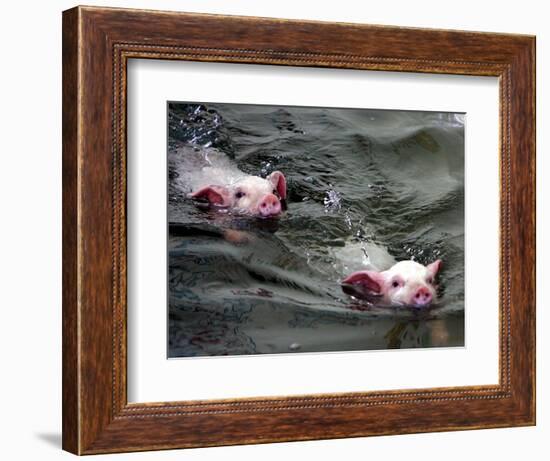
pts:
pixel 422 297
pixel 270 205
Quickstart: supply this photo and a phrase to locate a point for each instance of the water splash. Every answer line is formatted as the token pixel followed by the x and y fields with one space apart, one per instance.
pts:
pixel 332 201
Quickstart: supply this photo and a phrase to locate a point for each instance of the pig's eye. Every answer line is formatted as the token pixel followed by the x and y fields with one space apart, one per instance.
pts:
pixel 395 284
pixel 239 194
pixel 430 280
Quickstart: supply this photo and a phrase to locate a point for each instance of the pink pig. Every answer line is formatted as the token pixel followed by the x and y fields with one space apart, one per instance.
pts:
pixel 249 195
pixel 406 283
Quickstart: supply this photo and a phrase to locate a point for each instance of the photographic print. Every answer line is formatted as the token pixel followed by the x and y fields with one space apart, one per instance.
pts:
pixel 308 252
pixel 313 229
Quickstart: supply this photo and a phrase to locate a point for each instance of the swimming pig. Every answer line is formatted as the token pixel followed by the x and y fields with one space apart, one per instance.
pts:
pixel 212 178
pixel 249 195
pixel 406 283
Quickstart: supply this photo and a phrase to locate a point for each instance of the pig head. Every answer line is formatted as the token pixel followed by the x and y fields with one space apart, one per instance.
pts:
pixel 250 195
pixel 406 283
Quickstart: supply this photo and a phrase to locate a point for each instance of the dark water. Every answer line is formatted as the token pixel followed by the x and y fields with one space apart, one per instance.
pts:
pixel 394 179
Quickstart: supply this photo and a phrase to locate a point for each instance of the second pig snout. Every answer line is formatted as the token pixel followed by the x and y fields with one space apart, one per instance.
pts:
pixel 270 205
pixel 422 297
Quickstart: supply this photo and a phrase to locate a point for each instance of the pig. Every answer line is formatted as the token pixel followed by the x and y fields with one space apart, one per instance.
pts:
pixel 249 195
pixel 211 178
pixel 406 283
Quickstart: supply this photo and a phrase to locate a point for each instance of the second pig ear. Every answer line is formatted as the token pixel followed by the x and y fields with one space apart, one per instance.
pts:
pixel 370 282
pixel 279 183
pixel 434 267
pixel 216 195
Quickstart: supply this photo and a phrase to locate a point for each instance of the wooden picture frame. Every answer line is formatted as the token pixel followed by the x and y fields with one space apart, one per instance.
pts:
pixel 97 43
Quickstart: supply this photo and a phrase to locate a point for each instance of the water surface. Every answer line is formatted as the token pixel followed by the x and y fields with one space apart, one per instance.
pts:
pixel 357 178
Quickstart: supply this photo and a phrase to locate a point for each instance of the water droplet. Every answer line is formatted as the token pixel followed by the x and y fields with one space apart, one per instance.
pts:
pixel 332 201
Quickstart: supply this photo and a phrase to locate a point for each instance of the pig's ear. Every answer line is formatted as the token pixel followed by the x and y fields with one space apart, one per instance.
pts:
pixel 279 183
pixel 216 195
pixel 434 267
pixel 370 281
